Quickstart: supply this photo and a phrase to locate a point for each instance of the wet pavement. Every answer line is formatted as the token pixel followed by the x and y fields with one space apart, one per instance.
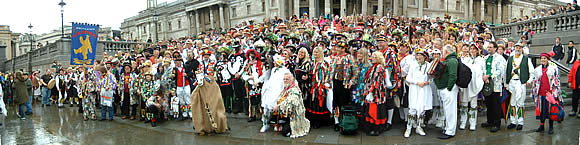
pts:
pixel 51 125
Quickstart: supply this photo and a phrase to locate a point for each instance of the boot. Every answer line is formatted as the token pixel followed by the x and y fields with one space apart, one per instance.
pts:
pixel 410 124
pixel 419 123
pixel 541 128
pixel 265 125
pixel 551 128
pixel 463 118
pixel 472 118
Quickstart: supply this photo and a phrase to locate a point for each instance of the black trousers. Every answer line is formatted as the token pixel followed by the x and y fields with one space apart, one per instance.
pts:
pixel 494 111
pixel 575 97
pixel 240 101
pixel 127 108
pixel 154 113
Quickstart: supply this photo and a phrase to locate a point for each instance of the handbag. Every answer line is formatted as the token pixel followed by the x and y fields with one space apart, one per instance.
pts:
pixel 487 88
pixel 556 112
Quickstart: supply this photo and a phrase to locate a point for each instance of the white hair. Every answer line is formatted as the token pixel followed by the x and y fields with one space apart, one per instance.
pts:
pixel 449 48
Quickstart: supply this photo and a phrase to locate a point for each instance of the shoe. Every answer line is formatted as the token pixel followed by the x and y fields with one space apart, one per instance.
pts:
pixel 124 117
pixel 71 105
pixel 445 136
pixel 43 105
pixel 153 124
pixel 373 133
pixel 132 118
pixel 264 128
pixel 519 127
pixel 472 127
pixel 102 119
pixel 420 131
pixel 462 126
pixel 551 131
pixel 18 114
pixel 407 133
pixel 286 135
pixel 511 126
pixel 388 126
pixel 251 119
pixel 28 113
pixel 572 114
pixel 494 129
pixel 336 127
pixel 485 125
pixel 147 121
pixel 23 118
pixel 540 129
pixel 578 116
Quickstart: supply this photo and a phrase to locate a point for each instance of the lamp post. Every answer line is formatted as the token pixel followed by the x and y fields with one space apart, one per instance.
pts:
pixel 61 4
pixel 155 20
pixel 30 49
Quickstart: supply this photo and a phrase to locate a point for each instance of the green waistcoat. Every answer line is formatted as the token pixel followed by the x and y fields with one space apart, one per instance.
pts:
pixel 524 70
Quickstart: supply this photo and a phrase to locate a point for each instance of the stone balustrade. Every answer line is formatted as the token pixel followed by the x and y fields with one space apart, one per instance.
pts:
pixel 545 29
pixel 43 57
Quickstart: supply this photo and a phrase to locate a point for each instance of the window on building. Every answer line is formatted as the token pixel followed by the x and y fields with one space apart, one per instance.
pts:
pixel 263 6
pixel 178 24
pixel 485 10
pixel 248 7
pixel 521 12
pixel 458 5
pixel 412 2
pixel 168 26
pixel 273 3
pixel 375 9
pixel 443 5
pixel 234 12
pixel 425 4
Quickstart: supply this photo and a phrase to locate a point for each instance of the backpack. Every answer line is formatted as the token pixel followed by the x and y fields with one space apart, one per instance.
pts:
pixel 463 74
pixel 349 122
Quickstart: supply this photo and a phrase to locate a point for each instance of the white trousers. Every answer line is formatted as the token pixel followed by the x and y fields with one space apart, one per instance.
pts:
pixel 518 91
pixel 449 104
pixel 184 95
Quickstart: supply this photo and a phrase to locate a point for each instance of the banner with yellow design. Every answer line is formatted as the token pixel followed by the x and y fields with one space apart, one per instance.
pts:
pixel 83 43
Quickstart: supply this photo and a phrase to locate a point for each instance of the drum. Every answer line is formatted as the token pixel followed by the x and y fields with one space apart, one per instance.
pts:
pixel 51 84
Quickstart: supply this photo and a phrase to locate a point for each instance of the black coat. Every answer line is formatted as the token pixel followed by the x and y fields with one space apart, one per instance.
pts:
pixel 559 52
pixel 190 68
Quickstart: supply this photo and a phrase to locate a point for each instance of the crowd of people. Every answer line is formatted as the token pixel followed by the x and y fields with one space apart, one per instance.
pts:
pixel 351 73
pixel 563 9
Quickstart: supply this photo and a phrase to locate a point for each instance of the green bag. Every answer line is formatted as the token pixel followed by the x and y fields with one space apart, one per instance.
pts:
pixel 349 125
pixel 564 95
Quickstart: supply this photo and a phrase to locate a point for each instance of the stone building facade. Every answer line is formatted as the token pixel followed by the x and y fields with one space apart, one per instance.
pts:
pixel 8 39
pixel 188 17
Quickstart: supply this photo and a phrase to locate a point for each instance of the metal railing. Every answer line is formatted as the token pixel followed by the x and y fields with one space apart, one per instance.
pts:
pixel 563 68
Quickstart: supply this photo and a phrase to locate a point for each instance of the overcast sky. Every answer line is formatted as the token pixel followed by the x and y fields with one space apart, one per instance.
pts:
pixel 44 15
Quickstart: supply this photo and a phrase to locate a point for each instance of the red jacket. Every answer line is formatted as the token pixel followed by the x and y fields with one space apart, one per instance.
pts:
pixel 572 75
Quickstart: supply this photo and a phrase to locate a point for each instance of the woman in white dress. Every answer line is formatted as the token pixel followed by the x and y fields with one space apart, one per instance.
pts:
pixel 468 107
pixel 419 92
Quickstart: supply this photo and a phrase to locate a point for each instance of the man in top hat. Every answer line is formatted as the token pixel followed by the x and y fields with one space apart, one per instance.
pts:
pixel 236 68
pixel 518 73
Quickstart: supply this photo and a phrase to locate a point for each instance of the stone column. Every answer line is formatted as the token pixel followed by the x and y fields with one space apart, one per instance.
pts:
pixel 465 9
pixel 311 9
pixel 420 9
pixel 296 9
pixel 211 17
pixel 189 15
pixel 197 21
pixel 222 21
pixel 404 12
pixel 482 10
pixel 268 3
pixel 342 7
pixel 499 13
pixel 326 7
pixel 395 8
pixel 380 8
pixel 364 8
pixel 471 15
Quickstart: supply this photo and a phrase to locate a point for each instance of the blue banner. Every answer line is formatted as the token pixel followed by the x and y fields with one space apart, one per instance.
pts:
pixel 83 43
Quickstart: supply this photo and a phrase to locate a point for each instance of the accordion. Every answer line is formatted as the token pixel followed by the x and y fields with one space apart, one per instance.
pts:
pixel 436 69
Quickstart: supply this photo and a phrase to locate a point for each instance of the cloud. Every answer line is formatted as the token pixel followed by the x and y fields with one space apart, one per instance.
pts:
pixel 44 15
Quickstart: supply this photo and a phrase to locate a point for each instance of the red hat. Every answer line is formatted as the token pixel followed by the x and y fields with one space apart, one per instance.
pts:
pixel 548 55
